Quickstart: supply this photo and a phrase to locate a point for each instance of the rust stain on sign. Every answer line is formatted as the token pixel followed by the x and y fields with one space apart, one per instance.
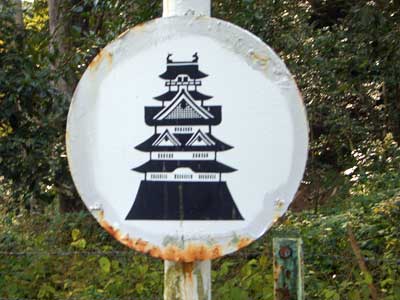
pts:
pixel 123 34
pixel 104 54
pixel 190 253
pixel 188 270
pixel 243 242
pixel 259 58
pixel 140 26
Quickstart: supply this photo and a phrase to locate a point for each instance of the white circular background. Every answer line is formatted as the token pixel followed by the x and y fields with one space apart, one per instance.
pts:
pixel 263 118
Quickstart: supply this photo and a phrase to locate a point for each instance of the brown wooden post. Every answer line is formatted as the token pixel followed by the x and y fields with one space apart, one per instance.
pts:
pixel 361 263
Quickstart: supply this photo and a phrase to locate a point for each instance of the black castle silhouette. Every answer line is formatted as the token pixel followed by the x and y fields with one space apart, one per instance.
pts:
pixel 183 179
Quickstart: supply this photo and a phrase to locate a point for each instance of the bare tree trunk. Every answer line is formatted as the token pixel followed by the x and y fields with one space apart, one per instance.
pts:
pixel 58 31
pixel 19 20
pixel 59 22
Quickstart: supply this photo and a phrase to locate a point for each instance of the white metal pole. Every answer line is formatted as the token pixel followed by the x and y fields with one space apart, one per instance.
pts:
pixel 186 7
pixel 187 281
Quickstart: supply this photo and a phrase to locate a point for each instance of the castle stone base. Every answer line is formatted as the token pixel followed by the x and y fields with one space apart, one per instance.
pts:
pixel 161 200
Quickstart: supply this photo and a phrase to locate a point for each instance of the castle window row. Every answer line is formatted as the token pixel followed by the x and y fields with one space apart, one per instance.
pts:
pixel 183 176
pixel 158 176
pixel 207 176
pixel 200 155
pixel 183 129
pixel 165 155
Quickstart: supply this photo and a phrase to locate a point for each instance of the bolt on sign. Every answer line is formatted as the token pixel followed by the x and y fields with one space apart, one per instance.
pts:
pixel 187 138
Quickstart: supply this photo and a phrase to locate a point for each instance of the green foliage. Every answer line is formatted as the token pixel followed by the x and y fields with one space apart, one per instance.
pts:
pixel 31 116
pixel 376 167
pixel 33 160
pixel 105 264
pixel 241 279
pixel 75 272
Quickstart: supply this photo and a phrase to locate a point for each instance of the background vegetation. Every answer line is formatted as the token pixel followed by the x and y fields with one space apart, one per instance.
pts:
pixel 345 57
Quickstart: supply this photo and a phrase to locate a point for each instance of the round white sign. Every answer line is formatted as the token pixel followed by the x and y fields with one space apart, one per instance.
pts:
pixel 187 138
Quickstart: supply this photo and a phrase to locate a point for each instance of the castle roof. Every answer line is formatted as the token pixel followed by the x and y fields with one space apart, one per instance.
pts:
pixel 182 68
pixel 183 107
pixel 186 117
pixel 185 143
pixel 170 95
